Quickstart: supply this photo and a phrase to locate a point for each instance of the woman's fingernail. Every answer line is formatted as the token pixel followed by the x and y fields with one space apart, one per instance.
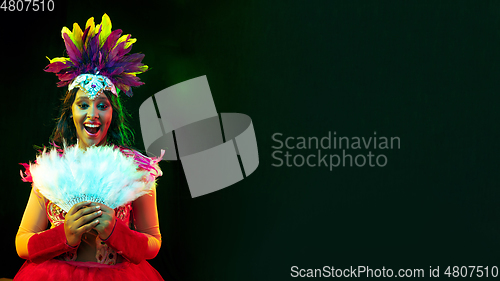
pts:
pixel 97 207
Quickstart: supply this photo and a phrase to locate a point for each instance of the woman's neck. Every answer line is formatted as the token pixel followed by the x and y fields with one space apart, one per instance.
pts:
pixel 81 145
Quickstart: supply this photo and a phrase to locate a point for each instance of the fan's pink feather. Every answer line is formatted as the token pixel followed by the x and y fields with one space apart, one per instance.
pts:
pixel 27 174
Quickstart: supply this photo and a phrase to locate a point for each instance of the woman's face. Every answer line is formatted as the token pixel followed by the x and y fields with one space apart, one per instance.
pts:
pixel 92 119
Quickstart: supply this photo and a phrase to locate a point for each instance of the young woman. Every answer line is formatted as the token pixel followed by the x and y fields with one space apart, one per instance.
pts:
pixel 92 241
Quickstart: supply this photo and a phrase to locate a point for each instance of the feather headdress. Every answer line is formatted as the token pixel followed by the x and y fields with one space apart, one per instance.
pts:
pixel 102 174
pixel 99 51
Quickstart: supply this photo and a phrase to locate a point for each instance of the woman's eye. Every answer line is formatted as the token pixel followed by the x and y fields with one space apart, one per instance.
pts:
pixel 103 106
pixel 83 106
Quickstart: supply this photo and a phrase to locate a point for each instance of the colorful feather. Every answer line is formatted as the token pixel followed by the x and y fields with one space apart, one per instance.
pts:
pixel 98 49
pixel 105 27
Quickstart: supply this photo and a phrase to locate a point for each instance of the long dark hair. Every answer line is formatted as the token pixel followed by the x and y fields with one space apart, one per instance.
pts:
pixel 119 132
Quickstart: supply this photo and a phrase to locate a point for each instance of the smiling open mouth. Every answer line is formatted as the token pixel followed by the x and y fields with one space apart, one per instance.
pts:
pixel 91 128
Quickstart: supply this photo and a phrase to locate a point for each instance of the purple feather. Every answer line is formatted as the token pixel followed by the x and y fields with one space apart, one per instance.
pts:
pixel 116 71
pixel 66 76
pixel 57 66
pixel 123 52
pixel 131 63
pixel 93 49
pixel 129 79
pixel 84 36
pixel 129 93
pixel 111 41
pixel 114 55
pixel 73 52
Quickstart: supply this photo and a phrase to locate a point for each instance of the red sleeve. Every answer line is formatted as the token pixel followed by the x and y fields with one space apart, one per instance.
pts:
pixel 129 243
pixel 33 241
pixel 48 244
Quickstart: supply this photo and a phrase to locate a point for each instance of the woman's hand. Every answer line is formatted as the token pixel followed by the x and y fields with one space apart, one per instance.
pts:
pixel 106 221
pixel 80 219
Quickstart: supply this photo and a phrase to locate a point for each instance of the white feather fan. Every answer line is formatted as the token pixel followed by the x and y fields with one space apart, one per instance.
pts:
pixel 100 174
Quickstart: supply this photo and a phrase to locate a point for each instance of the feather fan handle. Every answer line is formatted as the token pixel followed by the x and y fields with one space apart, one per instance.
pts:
pixel 101 174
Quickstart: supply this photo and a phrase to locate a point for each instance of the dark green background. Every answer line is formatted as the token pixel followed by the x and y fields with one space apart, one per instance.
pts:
pixel 425 71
